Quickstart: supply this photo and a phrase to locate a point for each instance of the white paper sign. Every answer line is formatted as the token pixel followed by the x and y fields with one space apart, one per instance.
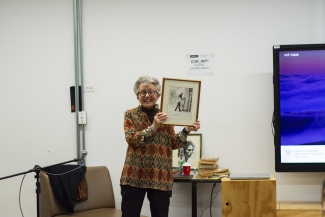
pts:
pixel 200 64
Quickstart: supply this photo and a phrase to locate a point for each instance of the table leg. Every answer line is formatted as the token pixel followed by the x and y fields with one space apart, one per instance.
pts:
pixel 194 200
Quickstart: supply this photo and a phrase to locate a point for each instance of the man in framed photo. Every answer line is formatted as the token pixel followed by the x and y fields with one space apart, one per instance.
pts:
pixel 179 99
pixel 183 103
pixel 188 151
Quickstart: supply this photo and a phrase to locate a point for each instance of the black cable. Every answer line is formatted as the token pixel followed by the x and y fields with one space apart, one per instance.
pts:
pixel 215 198
pixel 203 210
pixel 60 174
pixel 214 185
pixel 217 193
pixel 20 194
pixel 211 200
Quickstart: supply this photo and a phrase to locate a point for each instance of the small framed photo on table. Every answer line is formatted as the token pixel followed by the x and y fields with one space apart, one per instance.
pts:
pixel 192 151
pixel 180 100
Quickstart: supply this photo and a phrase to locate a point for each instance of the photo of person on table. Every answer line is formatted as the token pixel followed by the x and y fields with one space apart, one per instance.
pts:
pixel 148 163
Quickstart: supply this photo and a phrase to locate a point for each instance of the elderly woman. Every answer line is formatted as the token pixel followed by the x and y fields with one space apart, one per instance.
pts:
pixel 148 163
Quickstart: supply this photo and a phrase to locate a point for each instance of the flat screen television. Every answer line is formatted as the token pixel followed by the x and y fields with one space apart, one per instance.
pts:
pixel 299 107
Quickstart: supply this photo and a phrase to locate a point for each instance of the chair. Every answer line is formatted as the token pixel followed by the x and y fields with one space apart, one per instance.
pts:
pixel 100 203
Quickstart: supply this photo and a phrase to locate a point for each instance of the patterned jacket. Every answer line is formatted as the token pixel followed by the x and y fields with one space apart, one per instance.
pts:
pixel 148 162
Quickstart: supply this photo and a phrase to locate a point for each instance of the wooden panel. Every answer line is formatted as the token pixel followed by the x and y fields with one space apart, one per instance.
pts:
pixel 300 213
pixel 249 198
pixel 300 206
pixel 300 209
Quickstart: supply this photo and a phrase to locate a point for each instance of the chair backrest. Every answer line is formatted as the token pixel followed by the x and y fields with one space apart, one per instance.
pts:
pixel 100 193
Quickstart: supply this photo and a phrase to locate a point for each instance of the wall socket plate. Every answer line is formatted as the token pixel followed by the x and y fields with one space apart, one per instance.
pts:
pixel 89 88
pixel 82 117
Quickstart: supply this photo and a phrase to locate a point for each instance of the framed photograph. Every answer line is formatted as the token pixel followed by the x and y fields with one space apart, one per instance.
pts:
pixel 192 151
pixel 180 100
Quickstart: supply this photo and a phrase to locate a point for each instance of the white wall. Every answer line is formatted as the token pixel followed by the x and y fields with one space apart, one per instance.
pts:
pixel 36 71
pixel 123 40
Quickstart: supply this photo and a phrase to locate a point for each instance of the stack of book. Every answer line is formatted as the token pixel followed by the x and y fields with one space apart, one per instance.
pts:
pixel 208 163
pixel 208 167
pixel 220 172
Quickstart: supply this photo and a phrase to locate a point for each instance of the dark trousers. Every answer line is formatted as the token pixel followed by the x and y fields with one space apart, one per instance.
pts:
pixel 132 200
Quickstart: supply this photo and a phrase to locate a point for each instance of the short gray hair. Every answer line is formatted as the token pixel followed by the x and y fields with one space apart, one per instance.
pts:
pixel 145 79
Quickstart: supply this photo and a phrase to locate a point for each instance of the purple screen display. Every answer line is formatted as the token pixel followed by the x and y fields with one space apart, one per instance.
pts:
pixel 302 97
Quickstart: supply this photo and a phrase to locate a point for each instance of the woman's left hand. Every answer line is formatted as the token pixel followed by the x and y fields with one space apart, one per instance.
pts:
pixel 195 127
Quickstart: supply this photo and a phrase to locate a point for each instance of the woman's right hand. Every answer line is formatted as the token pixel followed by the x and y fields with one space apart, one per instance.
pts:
pixel 159 119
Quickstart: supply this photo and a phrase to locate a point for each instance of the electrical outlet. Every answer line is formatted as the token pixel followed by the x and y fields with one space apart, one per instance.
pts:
pixel 83 117
pixel 89 88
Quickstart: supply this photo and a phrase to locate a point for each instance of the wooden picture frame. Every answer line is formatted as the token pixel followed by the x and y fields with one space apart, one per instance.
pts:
pixel 192 151
pixel 180 100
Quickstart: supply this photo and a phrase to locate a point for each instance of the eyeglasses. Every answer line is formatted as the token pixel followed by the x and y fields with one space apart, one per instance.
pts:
pixel 149 92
